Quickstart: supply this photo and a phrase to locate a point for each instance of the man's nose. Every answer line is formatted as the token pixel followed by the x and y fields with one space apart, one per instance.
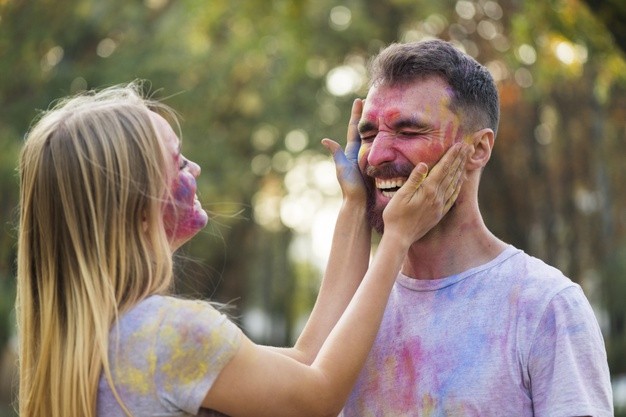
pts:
pixel 381 150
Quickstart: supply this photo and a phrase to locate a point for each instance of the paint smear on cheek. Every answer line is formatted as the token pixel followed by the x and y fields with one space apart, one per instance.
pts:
pixel 451 133
pixel 183 190
pixel 431 153
pixel 456 133
pixel 361 155
pixel 182 218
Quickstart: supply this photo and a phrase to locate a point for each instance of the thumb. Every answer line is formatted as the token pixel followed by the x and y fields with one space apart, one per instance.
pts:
pixel 331 145
pixel 418 175
pixel 335 149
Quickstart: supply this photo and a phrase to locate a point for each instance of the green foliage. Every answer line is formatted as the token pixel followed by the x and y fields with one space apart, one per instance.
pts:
pixel 615 294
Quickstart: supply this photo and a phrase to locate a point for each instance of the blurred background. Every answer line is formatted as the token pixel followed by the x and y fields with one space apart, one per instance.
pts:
pixel 259 83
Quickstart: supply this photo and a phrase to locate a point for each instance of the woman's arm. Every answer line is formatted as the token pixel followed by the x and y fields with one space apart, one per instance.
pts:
pixel 261 382
pixel 350 249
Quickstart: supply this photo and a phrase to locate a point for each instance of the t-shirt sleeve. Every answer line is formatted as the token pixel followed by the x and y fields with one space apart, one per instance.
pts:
pixel 568 368
pixel 195 342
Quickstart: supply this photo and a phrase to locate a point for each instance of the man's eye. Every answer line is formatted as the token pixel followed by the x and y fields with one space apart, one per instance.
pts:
pixel 368 137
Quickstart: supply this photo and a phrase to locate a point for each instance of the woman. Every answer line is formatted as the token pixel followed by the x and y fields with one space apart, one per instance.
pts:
pixel 106 198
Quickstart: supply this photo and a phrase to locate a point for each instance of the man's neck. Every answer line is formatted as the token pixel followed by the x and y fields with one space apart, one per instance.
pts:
pixel 460 242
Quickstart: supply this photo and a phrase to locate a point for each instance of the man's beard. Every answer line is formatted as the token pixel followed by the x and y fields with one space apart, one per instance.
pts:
pixel 374 214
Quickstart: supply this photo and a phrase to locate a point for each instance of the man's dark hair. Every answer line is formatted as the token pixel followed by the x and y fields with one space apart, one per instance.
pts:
pixel 474 92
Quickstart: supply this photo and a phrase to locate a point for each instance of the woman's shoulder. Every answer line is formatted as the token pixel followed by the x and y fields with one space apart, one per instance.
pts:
pixel 170 302
pixel 163 314
pixel 185 312
pixel 171 348
pixel 193 332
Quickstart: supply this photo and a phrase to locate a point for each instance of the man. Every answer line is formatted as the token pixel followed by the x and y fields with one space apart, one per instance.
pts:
pixel 474 326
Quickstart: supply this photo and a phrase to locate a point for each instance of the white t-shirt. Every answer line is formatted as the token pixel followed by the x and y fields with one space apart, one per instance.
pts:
pixel 170 352
pixel 513 337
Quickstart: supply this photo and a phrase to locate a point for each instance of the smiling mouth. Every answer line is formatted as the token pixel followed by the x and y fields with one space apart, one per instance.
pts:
pixel 389 186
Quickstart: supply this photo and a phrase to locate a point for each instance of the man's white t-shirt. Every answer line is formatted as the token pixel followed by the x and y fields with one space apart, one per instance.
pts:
pixel 513 337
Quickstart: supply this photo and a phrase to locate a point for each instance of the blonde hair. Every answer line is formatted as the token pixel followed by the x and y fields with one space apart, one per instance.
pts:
pixel 91 241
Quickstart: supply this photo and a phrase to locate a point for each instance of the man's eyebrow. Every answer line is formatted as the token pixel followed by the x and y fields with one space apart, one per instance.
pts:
pixel 411 122
pixel 366 126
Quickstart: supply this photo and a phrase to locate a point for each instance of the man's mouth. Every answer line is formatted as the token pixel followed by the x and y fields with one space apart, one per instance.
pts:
pixel 389 186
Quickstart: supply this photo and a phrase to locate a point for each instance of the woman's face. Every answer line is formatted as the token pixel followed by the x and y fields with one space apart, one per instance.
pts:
pixel 183 216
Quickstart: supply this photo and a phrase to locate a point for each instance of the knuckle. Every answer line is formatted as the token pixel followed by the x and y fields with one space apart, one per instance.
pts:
pixel 430 192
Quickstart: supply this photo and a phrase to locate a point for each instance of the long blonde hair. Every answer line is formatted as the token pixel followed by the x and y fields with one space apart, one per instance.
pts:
pixel 91 241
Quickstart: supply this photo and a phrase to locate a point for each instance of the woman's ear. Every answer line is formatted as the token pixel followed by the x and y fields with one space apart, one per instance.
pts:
pixel 483 145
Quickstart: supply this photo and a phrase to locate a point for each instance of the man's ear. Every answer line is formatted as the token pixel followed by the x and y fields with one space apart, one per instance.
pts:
pixel 483 145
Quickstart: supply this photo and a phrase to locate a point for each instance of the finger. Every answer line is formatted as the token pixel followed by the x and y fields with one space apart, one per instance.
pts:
pixel 454 193
pixel 353 138
pixel 448 205
pixel 355 117
pixel 454 185
pixel 335 149
pixel 415 180
pixel 457 169
pixel 331 145
pixel 448 162
pixel 418 175
pixel 443 173
pixel 456 179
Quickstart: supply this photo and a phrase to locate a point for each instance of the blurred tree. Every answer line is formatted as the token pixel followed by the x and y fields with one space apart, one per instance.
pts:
pixel 613 14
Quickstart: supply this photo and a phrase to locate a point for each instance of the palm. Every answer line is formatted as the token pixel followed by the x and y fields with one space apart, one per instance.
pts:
pixel 348 172
pixel 349 175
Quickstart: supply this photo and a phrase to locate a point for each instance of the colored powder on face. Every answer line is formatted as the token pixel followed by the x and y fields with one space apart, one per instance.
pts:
pixel 362 151
pixel 182 217
pixel 391 115
pixel 184 190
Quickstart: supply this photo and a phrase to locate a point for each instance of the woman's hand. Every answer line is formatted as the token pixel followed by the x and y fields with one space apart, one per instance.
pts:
pixel 348 173
pixel 425 198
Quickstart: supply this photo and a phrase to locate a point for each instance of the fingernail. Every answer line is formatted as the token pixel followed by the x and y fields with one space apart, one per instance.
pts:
pixel 422 168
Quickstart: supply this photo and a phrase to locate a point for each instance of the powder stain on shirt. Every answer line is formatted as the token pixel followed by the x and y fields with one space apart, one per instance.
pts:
pixel 468 345
pixel 135 374
pixel 165 354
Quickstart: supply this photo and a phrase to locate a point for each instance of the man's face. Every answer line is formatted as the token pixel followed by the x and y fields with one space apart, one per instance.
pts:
pixel 403 125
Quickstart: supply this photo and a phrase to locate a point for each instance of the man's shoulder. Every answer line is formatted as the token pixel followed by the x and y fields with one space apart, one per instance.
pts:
pixel 534 286
pixel 534 273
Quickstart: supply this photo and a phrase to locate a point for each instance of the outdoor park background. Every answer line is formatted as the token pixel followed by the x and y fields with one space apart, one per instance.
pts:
pixel 259 83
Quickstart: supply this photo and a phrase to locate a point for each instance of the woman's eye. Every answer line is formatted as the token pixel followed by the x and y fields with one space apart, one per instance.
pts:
pixel 183 163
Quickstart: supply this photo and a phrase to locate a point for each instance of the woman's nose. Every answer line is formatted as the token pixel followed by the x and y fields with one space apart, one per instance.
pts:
pixel 194 169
